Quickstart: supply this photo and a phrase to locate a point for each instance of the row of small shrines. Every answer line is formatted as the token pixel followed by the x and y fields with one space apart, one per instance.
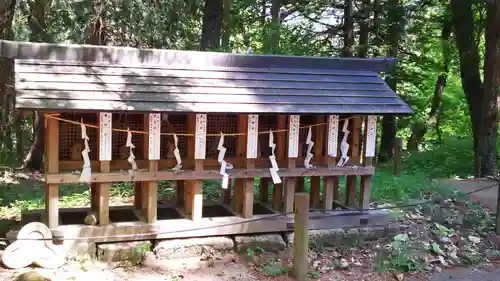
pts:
pixel 154 142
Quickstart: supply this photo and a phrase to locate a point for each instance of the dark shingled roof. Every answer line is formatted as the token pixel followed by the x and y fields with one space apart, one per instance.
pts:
pixel 75 77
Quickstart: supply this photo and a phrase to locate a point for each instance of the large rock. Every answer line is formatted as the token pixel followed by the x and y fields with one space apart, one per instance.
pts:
pixel 268 242
pixel 332 237
pixel 194 247
pixel 124 251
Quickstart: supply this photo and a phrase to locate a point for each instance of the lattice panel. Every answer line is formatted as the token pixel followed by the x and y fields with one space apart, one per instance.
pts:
pixel 266 122
pixel 215 125
pixel 70 137
pixel 133 122
pixel 176 123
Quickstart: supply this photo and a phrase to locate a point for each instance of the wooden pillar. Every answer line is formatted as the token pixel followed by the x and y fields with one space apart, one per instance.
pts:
pixel 52 167
pixel 193 204
pixel 331 186
pixel 293 153
pixel 281 158
pixel 264 189
pixel 152 143
pixel 354 142
pixel 100 206
pixel 370 137
pixel 301 237
pixel 315 184
pixel 252 134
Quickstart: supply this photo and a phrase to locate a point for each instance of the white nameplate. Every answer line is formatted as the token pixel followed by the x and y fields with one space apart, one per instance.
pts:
pixel 105 127
pixel 293 136
pixel 333 129
pixel 200 136
pixel 252 136
pixel 154 136
pixel 371 136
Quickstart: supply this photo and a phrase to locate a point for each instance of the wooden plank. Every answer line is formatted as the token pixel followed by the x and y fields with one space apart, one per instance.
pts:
pixel 209 174
pixel 398 107
pixel 52 167
pixel 217 226
pixel 301 237
pixel 27 70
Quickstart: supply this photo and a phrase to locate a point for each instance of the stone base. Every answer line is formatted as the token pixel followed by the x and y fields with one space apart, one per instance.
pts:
pixel 123 251
pixel 268 242
pixel 194 247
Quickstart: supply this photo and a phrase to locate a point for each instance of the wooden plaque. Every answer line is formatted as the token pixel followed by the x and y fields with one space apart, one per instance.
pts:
pixel 293 136
pixel 154 136
pixel 105 128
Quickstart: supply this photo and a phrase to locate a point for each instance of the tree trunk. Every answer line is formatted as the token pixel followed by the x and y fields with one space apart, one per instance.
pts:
pixel 212 24
pixel 348 29
pixel 38 27
pixel 364 29
pixel 7 8
pixel 395 18
pixel 464 26
pixel 420 128
pixel 274 34
pixel 488 128
pixel 226 24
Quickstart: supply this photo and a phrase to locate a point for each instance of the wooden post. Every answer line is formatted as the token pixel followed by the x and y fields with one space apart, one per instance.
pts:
pixel 51 167
pixel 264 189
pixel 152 124
pixel 497 226
pixel 293 153
pixel 280 156
pixel 101 204
pixel 354 142
pixel 331 186
pixel 227 192
pixel 239 184
pixel 194 191
pixel 315 183
pixel 370 136
pixel 398 144
pixel 301 237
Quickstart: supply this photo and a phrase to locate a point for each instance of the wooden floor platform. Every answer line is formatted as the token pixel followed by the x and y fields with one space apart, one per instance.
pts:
pixel 218 219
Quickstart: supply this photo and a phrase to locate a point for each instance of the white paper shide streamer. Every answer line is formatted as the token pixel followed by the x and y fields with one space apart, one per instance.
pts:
pixel 177 153
pixel 85 176
pixel 274 165
pixel 131 158
pixel 344 146
pixel 310 145
pixel 223 164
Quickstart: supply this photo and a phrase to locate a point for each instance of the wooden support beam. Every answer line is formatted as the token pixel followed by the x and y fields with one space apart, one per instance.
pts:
pixel 51 167
pixel 315 183
pixel 369 139
pixel 331 186
pixel 293 152
pixel 227 192
pixel 281 158
pixel 301 237
pixel 354 143
pixel 100 191
pixel 197 124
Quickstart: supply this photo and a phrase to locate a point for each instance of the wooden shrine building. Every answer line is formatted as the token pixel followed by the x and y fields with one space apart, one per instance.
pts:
pixel 115 114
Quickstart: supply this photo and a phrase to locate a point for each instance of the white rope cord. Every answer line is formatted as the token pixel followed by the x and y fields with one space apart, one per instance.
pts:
pixel 274 165
pixel 310 145
pixel 177 154
pixel 85 176
pixel 344 146
pixel 131 158
pixel 223 164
